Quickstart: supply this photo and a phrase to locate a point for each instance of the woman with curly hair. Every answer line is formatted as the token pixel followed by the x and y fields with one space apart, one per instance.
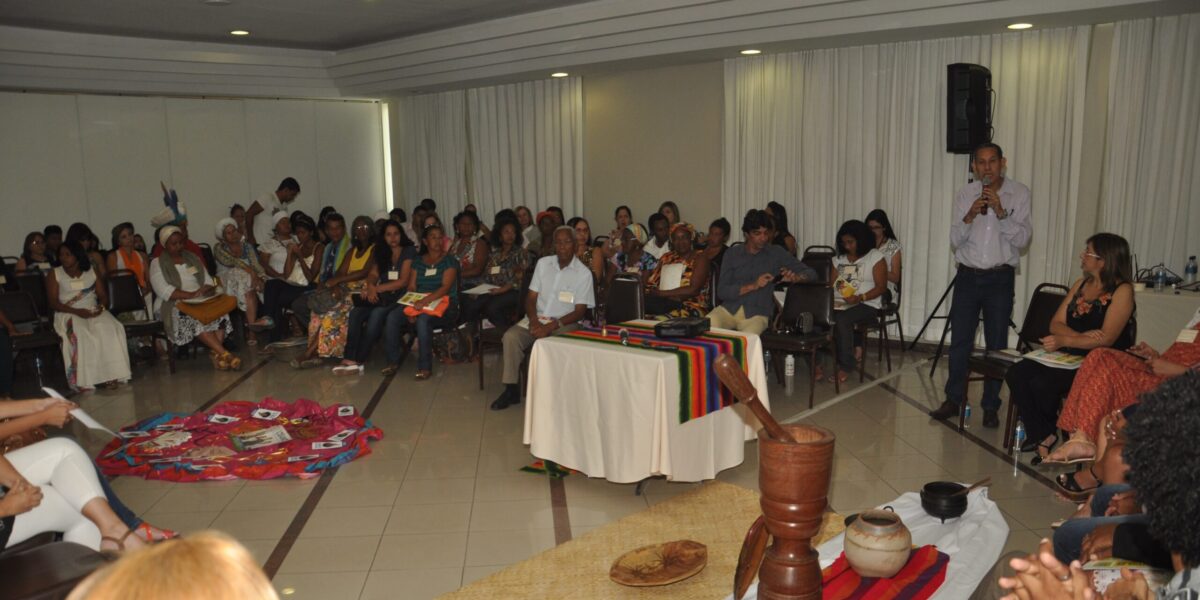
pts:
pixel 1095 314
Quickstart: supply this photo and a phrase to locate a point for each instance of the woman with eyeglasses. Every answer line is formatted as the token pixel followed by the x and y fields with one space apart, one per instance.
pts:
pixel 327 331
pixel 34 254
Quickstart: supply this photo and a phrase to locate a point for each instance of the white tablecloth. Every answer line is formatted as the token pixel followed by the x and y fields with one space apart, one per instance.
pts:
pixel 613 412
pixel 973 542
pixel 1161 316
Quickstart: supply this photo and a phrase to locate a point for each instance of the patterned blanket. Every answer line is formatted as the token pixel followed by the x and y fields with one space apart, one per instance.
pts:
pixel 919 579
pixel 237 439
pixel 700 392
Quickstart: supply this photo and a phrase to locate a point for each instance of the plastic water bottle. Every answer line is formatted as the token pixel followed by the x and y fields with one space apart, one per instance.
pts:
pixel 789 374
pixel 967 417
pixel 767 361
pixel 1189 272
pixel 1160 278
pixel 1018 440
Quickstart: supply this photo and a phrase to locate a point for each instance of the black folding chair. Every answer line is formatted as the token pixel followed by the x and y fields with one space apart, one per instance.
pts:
pixel 39 345
pixel 210 261
pixel 625 300
pixel 8 273
pixel 787 337
pixel 34 284
pixel 125 296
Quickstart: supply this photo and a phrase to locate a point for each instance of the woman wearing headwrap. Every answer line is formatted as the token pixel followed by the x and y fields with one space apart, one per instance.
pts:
pixel 632 258
pixel 301 254
pixel 327 332
pixel 175 214
pixel 241 273
pixel 178 275
pixel 690 297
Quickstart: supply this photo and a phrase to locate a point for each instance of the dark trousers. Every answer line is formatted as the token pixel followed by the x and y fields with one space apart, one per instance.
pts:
pixel 843 332
pixel 279 295
pixel 1037 391
pixel 127 517
pixel 6 364
pixel 496 308
pixel 1068 538
pixel 368 324
pixel 657 305
pixel 974 291
pixel 425 324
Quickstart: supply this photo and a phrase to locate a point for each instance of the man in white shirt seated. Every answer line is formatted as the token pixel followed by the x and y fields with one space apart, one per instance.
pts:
pixel 260 229
pixel 559 295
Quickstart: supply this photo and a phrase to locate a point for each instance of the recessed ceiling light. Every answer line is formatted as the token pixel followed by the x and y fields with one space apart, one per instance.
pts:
pixel 216 2
pixel 751 52
pixel 239 32
pixel 560 74
pixel 1020 26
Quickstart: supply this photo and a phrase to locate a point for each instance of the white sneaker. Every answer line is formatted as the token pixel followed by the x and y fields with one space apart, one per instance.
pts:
pixel 347 369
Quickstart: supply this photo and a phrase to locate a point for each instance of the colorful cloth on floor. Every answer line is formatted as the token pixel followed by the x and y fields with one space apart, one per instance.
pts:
pixel 920 578
pixel 548 468
pixel 241 440
pixel 700 392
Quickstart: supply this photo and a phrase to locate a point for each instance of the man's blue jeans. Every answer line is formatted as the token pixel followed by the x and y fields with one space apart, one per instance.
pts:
pixel 975 291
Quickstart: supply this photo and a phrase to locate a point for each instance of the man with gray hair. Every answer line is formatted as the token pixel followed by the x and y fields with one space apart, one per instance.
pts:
pixel 559 294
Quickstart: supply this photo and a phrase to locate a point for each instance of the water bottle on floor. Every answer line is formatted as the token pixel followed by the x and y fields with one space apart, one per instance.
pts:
pixel 789 374
pixel 767 361
pixel 1189 271
pixel 1018 440
pixel 967 417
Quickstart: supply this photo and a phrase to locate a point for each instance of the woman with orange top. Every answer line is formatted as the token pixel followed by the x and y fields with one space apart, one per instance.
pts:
pixel 125 255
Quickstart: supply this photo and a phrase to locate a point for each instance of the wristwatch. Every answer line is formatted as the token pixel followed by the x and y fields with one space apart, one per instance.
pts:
pixel 1002 214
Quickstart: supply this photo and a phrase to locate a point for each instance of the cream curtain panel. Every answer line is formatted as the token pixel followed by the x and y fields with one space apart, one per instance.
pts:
pixel 1152 158
pixel 432 150
pixel 832 134
pixel 526 142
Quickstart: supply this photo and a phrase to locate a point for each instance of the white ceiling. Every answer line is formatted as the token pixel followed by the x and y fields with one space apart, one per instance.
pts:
pixel 310 24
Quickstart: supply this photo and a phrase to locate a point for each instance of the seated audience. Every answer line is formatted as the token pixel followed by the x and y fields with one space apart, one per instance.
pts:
pixel 139 243
pixel 1095 314
pixel 690 297
pixel 22 417
pixel 81 234
pixel 34 255
pixel 558 212
pixel 174 214
pixel 52 486
pixel 261 212
pixel 93 341
pixel 747 281
pixel 670 210
pixel 237 212
pixel 54 236
pixel 584 250
pixel 1110 380
pixel 559 295
pixel 779 220
pixel 327 330
pixel 470 250
pixel 125 255
pixel 241 274
pixel 632 257
pixel 434 274
pixel 660 229
pixel 506 267
pixel 861 281
pixel 547 222
pixel 717 241
pixel 529 229
pixel 886 242
pixel 335 252
pixel 205 565
pixel 1164 476
pixel 177 276
pixel 322 216
pixel 377 310
pixel 293 263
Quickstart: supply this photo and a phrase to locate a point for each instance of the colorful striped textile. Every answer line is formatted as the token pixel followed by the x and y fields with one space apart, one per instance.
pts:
pixel 700 392
pixel 919 579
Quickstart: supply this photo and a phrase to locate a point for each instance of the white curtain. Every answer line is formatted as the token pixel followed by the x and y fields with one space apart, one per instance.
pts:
pixel 832 134
pixel 526 142
pixel 432 136
pixel 1152 158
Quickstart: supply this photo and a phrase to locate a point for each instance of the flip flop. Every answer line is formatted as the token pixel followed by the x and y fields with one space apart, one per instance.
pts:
pixel 146 532
pixel 119 542
pixel 1071 461
pixel 1069 487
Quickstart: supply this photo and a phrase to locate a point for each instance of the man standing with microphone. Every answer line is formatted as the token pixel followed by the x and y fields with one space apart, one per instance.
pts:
pixel 989 229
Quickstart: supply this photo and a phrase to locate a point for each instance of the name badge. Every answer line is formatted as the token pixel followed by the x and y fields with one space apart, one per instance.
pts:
pixel 1187 336
pixel 45 266
pixel 495 270
pixel 76 285
pixel 3 280
pixel 566 297
pixel 191 270
pixel 430 272
pixel 393 275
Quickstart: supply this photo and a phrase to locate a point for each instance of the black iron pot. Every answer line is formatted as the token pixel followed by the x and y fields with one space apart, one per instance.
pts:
pixel 939 500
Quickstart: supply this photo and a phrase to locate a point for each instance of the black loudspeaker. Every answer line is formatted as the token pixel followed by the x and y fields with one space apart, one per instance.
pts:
pixel 968 107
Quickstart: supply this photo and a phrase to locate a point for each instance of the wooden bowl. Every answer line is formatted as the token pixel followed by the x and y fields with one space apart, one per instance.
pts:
pixel 659 564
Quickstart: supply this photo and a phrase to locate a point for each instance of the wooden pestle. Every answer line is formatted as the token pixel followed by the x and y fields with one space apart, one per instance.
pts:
pixel 731 374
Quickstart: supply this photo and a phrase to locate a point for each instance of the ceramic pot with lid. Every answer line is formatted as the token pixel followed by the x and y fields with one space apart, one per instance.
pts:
pixel 877 544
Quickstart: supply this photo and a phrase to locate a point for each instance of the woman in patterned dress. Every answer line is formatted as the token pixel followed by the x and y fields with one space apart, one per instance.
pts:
pixel 690 299
pixel 327 332
pixel 633 258
pixel 241 274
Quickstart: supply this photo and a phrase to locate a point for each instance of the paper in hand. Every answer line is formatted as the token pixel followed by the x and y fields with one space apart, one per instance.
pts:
pixel 81 415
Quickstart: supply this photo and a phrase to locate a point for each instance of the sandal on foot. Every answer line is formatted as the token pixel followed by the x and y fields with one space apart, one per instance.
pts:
pixel 146 532
pixel 120 542
pixel 219 362
pixel 1065 458
pixel 1037 456
pixel 234 362
pixel 1069 487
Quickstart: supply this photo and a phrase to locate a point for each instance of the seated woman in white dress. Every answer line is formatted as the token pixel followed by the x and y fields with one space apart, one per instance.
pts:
pixel 241 274
pixel 52 486
pixel 93 341
pixel 178 275
pixel 861 282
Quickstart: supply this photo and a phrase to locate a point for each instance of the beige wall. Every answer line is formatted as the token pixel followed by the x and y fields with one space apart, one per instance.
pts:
pixel 651 136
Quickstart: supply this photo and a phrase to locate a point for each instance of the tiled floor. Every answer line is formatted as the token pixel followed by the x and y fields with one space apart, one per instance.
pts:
pixel 440 502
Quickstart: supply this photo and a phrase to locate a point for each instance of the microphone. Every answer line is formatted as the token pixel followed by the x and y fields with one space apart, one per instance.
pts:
pixel 987 180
